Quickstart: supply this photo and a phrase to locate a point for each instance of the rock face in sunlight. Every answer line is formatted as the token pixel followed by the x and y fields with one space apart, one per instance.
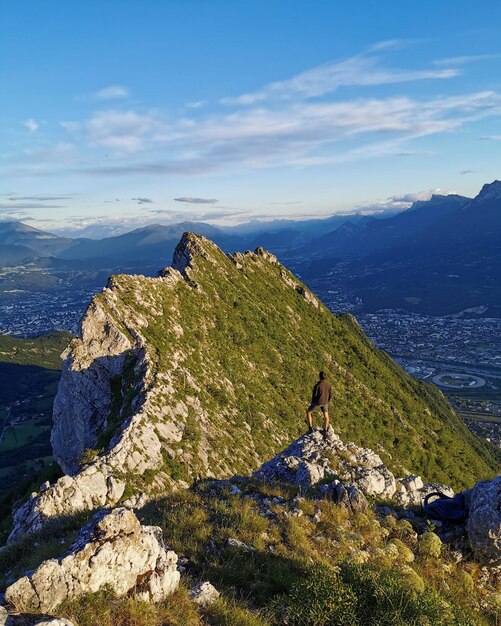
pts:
pixel 313 458
pixel 207 369
pixel 116 551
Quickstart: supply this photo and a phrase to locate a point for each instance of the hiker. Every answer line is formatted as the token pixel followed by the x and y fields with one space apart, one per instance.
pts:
pixel 320 400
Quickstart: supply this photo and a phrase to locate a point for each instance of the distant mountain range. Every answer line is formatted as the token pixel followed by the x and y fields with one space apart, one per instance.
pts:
pixel 441 256
pixel 156 242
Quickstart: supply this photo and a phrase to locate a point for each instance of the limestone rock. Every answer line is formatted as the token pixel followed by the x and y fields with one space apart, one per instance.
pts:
pixel 239 545
pixel 84 397
pixel 204 594
pixel 115 550
pixel 484 520
pixel 57 621
pixel 92 488
pixel 347 495
pixel 311 458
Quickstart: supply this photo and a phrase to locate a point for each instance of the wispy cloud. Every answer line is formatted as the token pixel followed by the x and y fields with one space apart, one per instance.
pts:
pixel 300 134
pixel 360 70
pixel 30 205
pixel 190 200
pixel 197 104
pixel 143 200
pixel 491 138
pixel 31 124
pixel 283 124
pixel 122 130
pixel 39 198
pixel 113 92
pixel 463 60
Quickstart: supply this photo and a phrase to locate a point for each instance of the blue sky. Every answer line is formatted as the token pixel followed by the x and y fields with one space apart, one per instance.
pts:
pixel 118 113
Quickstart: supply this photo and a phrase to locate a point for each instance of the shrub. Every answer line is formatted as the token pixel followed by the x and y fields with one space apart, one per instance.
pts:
pixel 319 599
pixel 405 554
pixel 411 579
pixel 429 545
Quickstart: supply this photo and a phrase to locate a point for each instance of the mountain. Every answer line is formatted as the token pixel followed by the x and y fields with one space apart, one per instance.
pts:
pixel 440 257
pixel 38 242
pixel 403 229
pixel 206 370
pixel 154 242
pixel 177 383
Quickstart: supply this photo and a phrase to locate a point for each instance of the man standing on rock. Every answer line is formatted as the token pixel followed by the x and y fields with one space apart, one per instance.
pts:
pixel 320 400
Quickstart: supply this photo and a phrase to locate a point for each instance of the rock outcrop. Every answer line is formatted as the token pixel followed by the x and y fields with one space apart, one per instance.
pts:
pixel 313 458
pixel 114 550
pixel 484 520
pixel 204 593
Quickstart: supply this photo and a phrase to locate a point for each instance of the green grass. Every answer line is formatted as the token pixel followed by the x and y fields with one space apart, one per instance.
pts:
pixel 313 573
pixel 43 351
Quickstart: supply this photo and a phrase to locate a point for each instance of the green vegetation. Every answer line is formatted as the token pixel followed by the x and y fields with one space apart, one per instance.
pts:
pixel 248 353
pixel 349 569
pixel 29 370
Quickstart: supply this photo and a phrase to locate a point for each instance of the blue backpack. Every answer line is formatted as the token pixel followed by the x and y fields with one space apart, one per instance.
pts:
pixel 445 508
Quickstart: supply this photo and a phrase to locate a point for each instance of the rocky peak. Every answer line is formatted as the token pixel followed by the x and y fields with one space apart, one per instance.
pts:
pixel 490 191
pixel 190 247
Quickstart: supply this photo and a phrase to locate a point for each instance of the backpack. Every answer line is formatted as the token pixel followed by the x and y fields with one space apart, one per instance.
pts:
pixel 446 508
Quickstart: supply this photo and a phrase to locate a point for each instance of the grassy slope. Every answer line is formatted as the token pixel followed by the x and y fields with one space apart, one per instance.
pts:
pixel 44 351
pixel 254 347
pixel 322 566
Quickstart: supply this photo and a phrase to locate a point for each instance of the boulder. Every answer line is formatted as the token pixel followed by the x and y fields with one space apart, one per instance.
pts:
pixel 204 594
pixel 311 458
pixel 484 520
pixel 346 495
pixel 114 550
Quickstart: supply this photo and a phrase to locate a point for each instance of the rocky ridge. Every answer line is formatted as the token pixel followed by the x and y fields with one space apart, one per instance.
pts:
pixel 154 395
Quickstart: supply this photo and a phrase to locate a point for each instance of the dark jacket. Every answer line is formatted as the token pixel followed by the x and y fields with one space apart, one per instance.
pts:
pixel 321 393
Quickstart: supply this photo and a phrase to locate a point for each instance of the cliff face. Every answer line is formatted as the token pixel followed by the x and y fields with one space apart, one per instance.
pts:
pixel 207 370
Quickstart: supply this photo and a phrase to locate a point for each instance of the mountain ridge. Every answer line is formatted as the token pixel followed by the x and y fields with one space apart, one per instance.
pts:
pixel 204 371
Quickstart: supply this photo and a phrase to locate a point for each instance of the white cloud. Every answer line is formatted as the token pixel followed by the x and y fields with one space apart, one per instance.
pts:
pixel 359 70
pixel 31 124
pixel 190 200
pixel 402 202
pixel 463 60
pixel 124 131
pixel 113 92
pixel 300 134
pixel 491 138
pixel 197 104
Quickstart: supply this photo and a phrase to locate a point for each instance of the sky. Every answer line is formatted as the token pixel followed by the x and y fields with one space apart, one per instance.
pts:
pixel 119 113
